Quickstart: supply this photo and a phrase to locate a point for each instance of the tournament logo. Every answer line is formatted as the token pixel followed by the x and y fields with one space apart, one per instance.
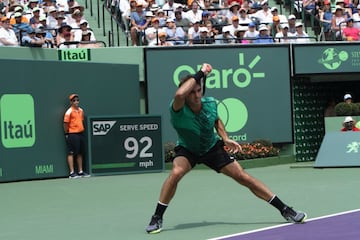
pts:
pixel 331 58
pixel 17 120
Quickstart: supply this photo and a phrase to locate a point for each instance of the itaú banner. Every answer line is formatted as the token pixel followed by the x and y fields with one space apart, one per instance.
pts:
pixel 251 85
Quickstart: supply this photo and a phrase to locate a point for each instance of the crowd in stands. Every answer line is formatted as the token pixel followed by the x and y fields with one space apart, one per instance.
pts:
pixel 339 20
pixel 231 21
pixel 45 23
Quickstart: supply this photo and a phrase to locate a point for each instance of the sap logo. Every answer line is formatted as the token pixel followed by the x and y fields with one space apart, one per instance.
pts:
pixel 102 127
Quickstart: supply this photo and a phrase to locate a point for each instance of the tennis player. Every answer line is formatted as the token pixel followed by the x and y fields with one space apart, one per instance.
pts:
pixel 194 118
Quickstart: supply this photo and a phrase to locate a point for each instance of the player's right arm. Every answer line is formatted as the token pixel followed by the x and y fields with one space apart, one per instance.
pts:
pixel 180 95
pixel 187 85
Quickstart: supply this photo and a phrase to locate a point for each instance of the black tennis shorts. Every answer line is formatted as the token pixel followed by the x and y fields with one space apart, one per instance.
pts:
pixel 216 158
pixel 76 143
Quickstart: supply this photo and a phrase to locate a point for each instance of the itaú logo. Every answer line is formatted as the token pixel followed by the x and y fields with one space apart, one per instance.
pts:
pixel 240 77
pixel 17 120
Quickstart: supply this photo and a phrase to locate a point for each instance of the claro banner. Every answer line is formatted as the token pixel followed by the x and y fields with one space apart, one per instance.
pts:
pixel 251 84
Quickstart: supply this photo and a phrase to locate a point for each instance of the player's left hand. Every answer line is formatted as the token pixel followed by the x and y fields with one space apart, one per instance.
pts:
pixel 232 146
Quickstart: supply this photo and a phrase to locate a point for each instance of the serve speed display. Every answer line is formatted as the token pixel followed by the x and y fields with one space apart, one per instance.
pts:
pixel 125 144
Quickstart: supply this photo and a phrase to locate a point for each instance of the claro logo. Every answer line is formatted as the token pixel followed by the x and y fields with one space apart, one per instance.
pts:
pixel 17 120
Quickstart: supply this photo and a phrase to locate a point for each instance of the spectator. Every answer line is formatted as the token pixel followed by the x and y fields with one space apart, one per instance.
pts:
pixel 74 136
pixel 345 6
pixel 234 25
pixel 244 19
pixel 300 34
pixel 20 28
pixel 208 4
pixel 263 36
pixel 194 14
pixel 151 32
pixel 160 14
pixel 309 6
pixel 174 34
pixel 225 37
pixel 338 21
pixel 326 19
pixel 79 33
pixel 51 21
pixel 223 12
pixel 19 10
pixel 350 33
pixel 169 7
pixel 356 17
pixel 275 12
pixel 86 40
pixel 292 22
pixel 182 22
pixel 264 15
pixel 203 38
pixel 348 98
pixel 239 35
pixel 127 13
pixel 76 6
pixel 30 40
pixel 35 19
pixel 7 35
pixel 194 31
pixel 212 30
pixel 29 13
pixel 76 17
pixel 349 125
pixel 49 39
pixel 162 39
pixel 275 26
pixel 284 35
pixel 251 33
pixel 138 24
pixel 60 20
pixel 233 11
pixel 65 35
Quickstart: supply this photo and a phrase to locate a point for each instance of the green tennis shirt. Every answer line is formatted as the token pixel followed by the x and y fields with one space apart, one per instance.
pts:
pixel 196 131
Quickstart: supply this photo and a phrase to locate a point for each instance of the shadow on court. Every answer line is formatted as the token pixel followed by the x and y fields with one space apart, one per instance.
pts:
pixel 185 226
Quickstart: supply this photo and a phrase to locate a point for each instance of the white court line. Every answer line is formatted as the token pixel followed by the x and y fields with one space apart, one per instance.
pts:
pixel 283 225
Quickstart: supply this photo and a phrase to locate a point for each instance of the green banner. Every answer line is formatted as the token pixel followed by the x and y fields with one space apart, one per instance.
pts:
pixel 33 101
pixel 339 149
pixel 326 58
pixel 251 84
pixel 125 144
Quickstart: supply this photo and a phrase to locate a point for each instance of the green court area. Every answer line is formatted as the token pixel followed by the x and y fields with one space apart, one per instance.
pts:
pixel 207 204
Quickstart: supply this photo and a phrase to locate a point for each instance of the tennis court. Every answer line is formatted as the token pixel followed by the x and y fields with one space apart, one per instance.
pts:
pixel 207 205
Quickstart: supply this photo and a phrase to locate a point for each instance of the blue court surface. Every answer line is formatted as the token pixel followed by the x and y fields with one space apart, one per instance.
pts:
pixel 342 226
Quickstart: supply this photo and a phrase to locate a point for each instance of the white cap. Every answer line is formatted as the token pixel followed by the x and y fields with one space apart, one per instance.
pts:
pixel 149 14
pixel 298 24
pixel 52 9
pixel 348 119
pixel 263 27
pixel 292 16
pixel 273 9
pixel 83 21
pixel 204 29
pixel 225 29
pixel 169 20
pixel 347 96
pixel 285 25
